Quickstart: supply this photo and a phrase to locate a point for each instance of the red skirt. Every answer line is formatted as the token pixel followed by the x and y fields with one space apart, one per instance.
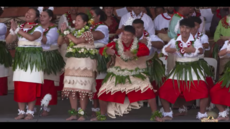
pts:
pixel 133 96
pixel 210 83
pixel 25 92
pixel 3 86
pixel 48 88
pixel 170 92
pixel 98 86
pixel 220 95
pixel 61 84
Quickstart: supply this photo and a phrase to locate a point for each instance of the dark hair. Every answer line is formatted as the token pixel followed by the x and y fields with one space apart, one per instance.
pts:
pixel 100 12
pixel 148 12
pixel 1 11
pixel 50 13
pixel 138 21
pixel 130 29
pixel 37 13
pixel 187 22
pixel 84 17
pixel 196 19
pixel 176 8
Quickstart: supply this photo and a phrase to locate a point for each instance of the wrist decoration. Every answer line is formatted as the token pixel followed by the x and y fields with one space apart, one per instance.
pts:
pixel 66 32
pixel 16 31
pixel 81 112
pixel 12 32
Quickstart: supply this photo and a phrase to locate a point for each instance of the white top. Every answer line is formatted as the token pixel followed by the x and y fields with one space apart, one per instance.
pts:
pixel 202 24
pixel 197 45
pixel 148 23
pixel 203 39
pixel 105 30
pixel 207 14
pixel 52 37
pixel 225 46
pixel 3 30
pixel 153 38
pixel 38 29
pixel 162 21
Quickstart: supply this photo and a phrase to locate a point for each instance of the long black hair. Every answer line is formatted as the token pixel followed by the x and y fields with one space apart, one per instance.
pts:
pixel 37 14
pixel 100 12
pixel 1 11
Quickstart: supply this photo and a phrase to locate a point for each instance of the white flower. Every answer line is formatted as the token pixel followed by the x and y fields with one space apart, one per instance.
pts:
pixel 81 112
pixel 70 50
pixel 66 32
pixel 73 21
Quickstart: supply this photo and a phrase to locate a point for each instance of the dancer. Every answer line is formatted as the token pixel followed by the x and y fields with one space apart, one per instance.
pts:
pixel 100 33
pixel 126 82
pixel 28 62
pixel 52 57
pixel 5 59
pixel 191 84
pixel 220 92
pixel 80 65
pixel 67 18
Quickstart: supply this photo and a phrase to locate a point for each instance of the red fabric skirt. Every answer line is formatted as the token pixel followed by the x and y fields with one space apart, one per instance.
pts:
pixel 3 86
pixel 61 84
pixel 170 92
pixel 98 86
pixel 133 96
pixel 25 92
pixel 220 95
pixel 48 88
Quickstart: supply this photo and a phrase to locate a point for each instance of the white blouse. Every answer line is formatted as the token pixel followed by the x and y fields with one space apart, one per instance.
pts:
pixel 38 29
pixel 105 30
pixel 3 30
pixel 52 37
pixel 172 42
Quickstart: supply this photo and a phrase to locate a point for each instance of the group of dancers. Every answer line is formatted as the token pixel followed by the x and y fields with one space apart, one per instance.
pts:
pixel 115 75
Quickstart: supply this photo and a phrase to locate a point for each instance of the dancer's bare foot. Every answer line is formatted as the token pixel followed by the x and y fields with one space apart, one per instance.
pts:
pixel 81 118
pixel 29 117
pixel 159 119
pixel 94 114
pixel 94 119
pixel 180 114
pixel 223 118
pixel 22 116
pixel 45 113
pixel 72 118
pixel 167 118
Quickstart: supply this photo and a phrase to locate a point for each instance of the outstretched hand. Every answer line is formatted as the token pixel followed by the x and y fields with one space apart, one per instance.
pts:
pixel 110 51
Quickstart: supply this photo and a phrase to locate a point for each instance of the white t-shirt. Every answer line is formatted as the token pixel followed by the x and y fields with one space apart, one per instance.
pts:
pixel 52 37
pixel 148 23
pixel 162 21
pixel 224 47
pixel 153 38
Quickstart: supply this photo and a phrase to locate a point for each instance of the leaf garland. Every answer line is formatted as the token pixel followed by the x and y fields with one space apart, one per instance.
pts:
pixel 81 52
pixel 29 56
pixel 5 56
pixel 156 114
pixel 47 29
pixel 54 62
pixel 225 77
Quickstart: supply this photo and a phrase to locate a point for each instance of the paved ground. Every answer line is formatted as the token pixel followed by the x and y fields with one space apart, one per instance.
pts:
pixel 8 110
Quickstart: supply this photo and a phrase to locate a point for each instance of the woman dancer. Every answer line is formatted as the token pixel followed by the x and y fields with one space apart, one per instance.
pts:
pixel 28 62
pixel 52 57
pixel 80 65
